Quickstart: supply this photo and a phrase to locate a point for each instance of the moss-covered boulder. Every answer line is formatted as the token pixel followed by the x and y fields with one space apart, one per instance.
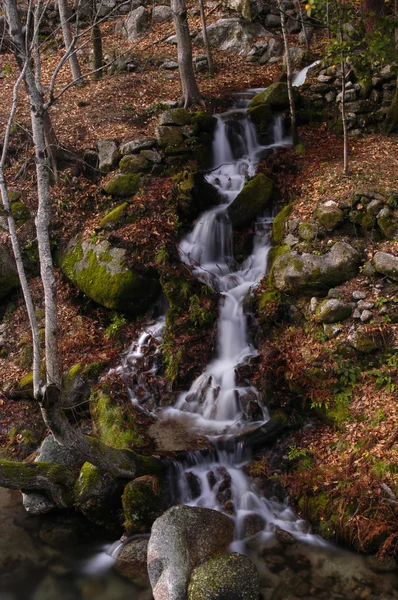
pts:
pixel 114 423
pixel 310 273
pixel 386 264
pixel 253 199
pixel 308 231
pixel 388 224
pixel 122 185
pixel 275 97
pixel 332 311
pixel 98 496
pixel 134 164
pixel 142 504
pixel 192 194
pixel 279 224
pixel 115 218
pixel 101 272
pixel 262 116
pixel 8 273
pixel 20 212
pixel 365 341
pixel 167 135
pixel 329 215
pixel 231 576
pixel 175 116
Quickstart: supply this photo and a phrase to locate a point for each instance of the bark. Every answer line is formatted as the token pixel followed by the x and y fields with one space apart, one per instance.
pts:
pixel 344 119
pixel 96 38
pixel 190 90
pixel 56 481
pixel 289 74
pixel 206 39
pixel 68 40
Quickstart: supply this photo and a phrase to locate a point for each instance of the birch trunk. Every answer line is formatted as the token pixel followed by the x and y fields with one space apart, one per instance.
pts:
pixel 289 76
pixel 206 39
pixel 190 90
pixel 68 39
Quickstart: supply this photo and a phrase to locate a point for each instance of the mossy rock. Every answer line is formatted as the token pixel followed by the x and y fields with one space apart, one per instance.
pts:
pixel 14 196
pixel 279 223
pixel 262 116
pixel 231 576
pixel 329 215
pixel 251 201
pixel 9 279
pixel 122 185
pixel 387 224
pixel 116 217
pixel 192 194
pixel 386 264
pixel 175 116
pixel 100 271
pixel 203 123
pixel 308 231
pixel 275 97
pixel 364 341
pixel 142 504
pixel 332 310
pixel 20 212
pixel 134 164
pixel 114 423
pixel 167 135
pixel 98 496
pixel 26 383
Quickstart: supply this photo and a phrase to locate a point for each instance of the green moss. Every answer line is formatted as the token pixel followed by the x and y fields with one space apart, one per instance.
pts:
pixel 388 227
pixel 115 424
pixel 278 225
pixel 253 199
pixel 26 383
pixel 274 96
pixel 89 476
pixel 275 252
pixel 20 212
pixel 308 231
pixel 142 504
pixel 262 117
pixel 115 217
pixel 123 185
pixel 134 164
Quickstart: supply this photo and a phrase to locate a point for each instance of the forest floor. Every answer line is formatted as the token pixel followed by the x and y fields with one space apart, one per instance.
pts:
pixel 125 106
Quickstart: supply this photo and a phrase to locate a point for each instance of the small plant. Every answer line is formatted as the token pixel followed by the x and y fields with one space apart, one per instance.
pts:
pixel 294 453
pixel 116 325
pixel 198 314
pixel 381 301
pixel 162 256
pixel 28 438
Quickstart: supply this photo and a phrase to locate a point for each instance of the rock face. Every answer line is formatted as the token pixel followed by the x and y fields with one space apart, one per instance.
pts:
pixel 251 201
pixel 232 35
pixel 231 576
pixel 181 538
pixel 386 264
pixel 8 273
pixel 100 271
pixel 307 273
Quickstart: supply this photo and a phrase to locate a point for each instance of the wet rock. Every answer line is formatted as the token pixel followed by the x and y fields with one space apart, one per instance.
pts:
pixel 252 524
pixel 131 562
pixel 231 576
pixel 108 155
pixel 284 537
pixel 329 215
pixel 142 503
pixel 308 273
pixel 251 201
pixel 332 311
pixel 181 538
pixel 386 264
pixel 193 484
pixel 97 496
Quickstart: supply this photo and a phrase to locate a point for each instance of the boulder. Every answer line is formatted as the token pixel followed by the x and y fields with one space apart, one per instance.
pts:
pixel 182 538
pixel 167 135
pixel 308 231
pixel 364 341
pixel 136 23
pixel 131 562
pixel 332 311
pixel 20 212
pixel 134 164
pixel 122 185
pixel 142 504
pixel 135 146
pixel 175 116
pixel 231 576
pixel 100 271
pixel 241 6
pixel 108 155
pixel 251 201
pixel 274 49
pixel 232 35
pixel 297 56
pixel 9 279
pixel 329 215
pixel 309 273
pixel 262 116
pixel 387 224
pixel 161 13
pixel 114 218
pixel 386 264
pixel 275 97
pixel 97 496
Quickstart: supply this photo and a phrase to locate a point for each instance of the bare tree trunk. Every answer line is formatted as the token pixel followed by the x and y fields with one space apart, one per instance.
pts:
pixel 206 39
pixel 36 51
pixel 344 119
pixel 96 38
pixel 68 39
pixel 190 90
pixel 289 76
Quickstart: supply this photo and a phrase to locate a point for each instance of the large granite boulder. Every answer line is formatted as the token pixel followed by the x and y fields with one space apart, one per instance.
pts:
pixel 308 273
pixel 233 35
pixel 182 538
pixel 136 23
pixel 251 201
pixel 9 279
pixel 231 576
pixel 100 271
pixel 386 264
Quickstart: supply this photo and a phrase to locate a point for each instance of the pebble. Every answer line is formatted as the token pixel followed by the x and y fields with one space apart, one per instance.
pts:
pixel 358 295
pixel 362 305
pixel 356 314
pixel 366 316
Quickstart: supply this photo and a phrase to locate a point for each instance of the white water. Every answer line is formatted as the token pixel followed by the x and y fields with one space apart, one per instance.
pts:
pixel 300 78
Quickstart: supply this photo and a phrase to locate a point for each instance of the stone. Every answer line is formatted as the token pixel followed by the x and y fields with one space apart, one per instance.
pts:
pixel 108 155
pixel 136 23
pixel 114 218
pixel 332 311
pixel 350 96
pixel 122 185
pixel 232 576
pixel 142 504
pixel 309 273
pixel 161 13
pixel 175 116
pixel 100 271
pixel 331 330
pixel 308 231
pixel 135 146
pixel 241 6
pixel 358 295
pixel 274 49
pixel 134 164
pixel 169 65
pixel 366 316
pixel 356 314
pixel 363 305
pixel 232 35
pixel 387 224
pixel 182 538
pixel 274 96
pixel 9 279
pixel 386 264
pixel 167 135
pixel 97 496
pixel 252 524
pixel 262 116
pixel 272 20
pixel 330 97
pixel 363 341
pixel 251 201
pixel 296 56
pixel 329 215
pixel 131 562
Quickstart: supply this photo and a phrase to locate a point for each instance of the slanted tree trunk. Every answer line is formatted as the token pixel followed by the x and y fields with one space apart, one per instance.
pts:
pixel 190 90
pixel 292 106
pixel 68 39
pixel 206 39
